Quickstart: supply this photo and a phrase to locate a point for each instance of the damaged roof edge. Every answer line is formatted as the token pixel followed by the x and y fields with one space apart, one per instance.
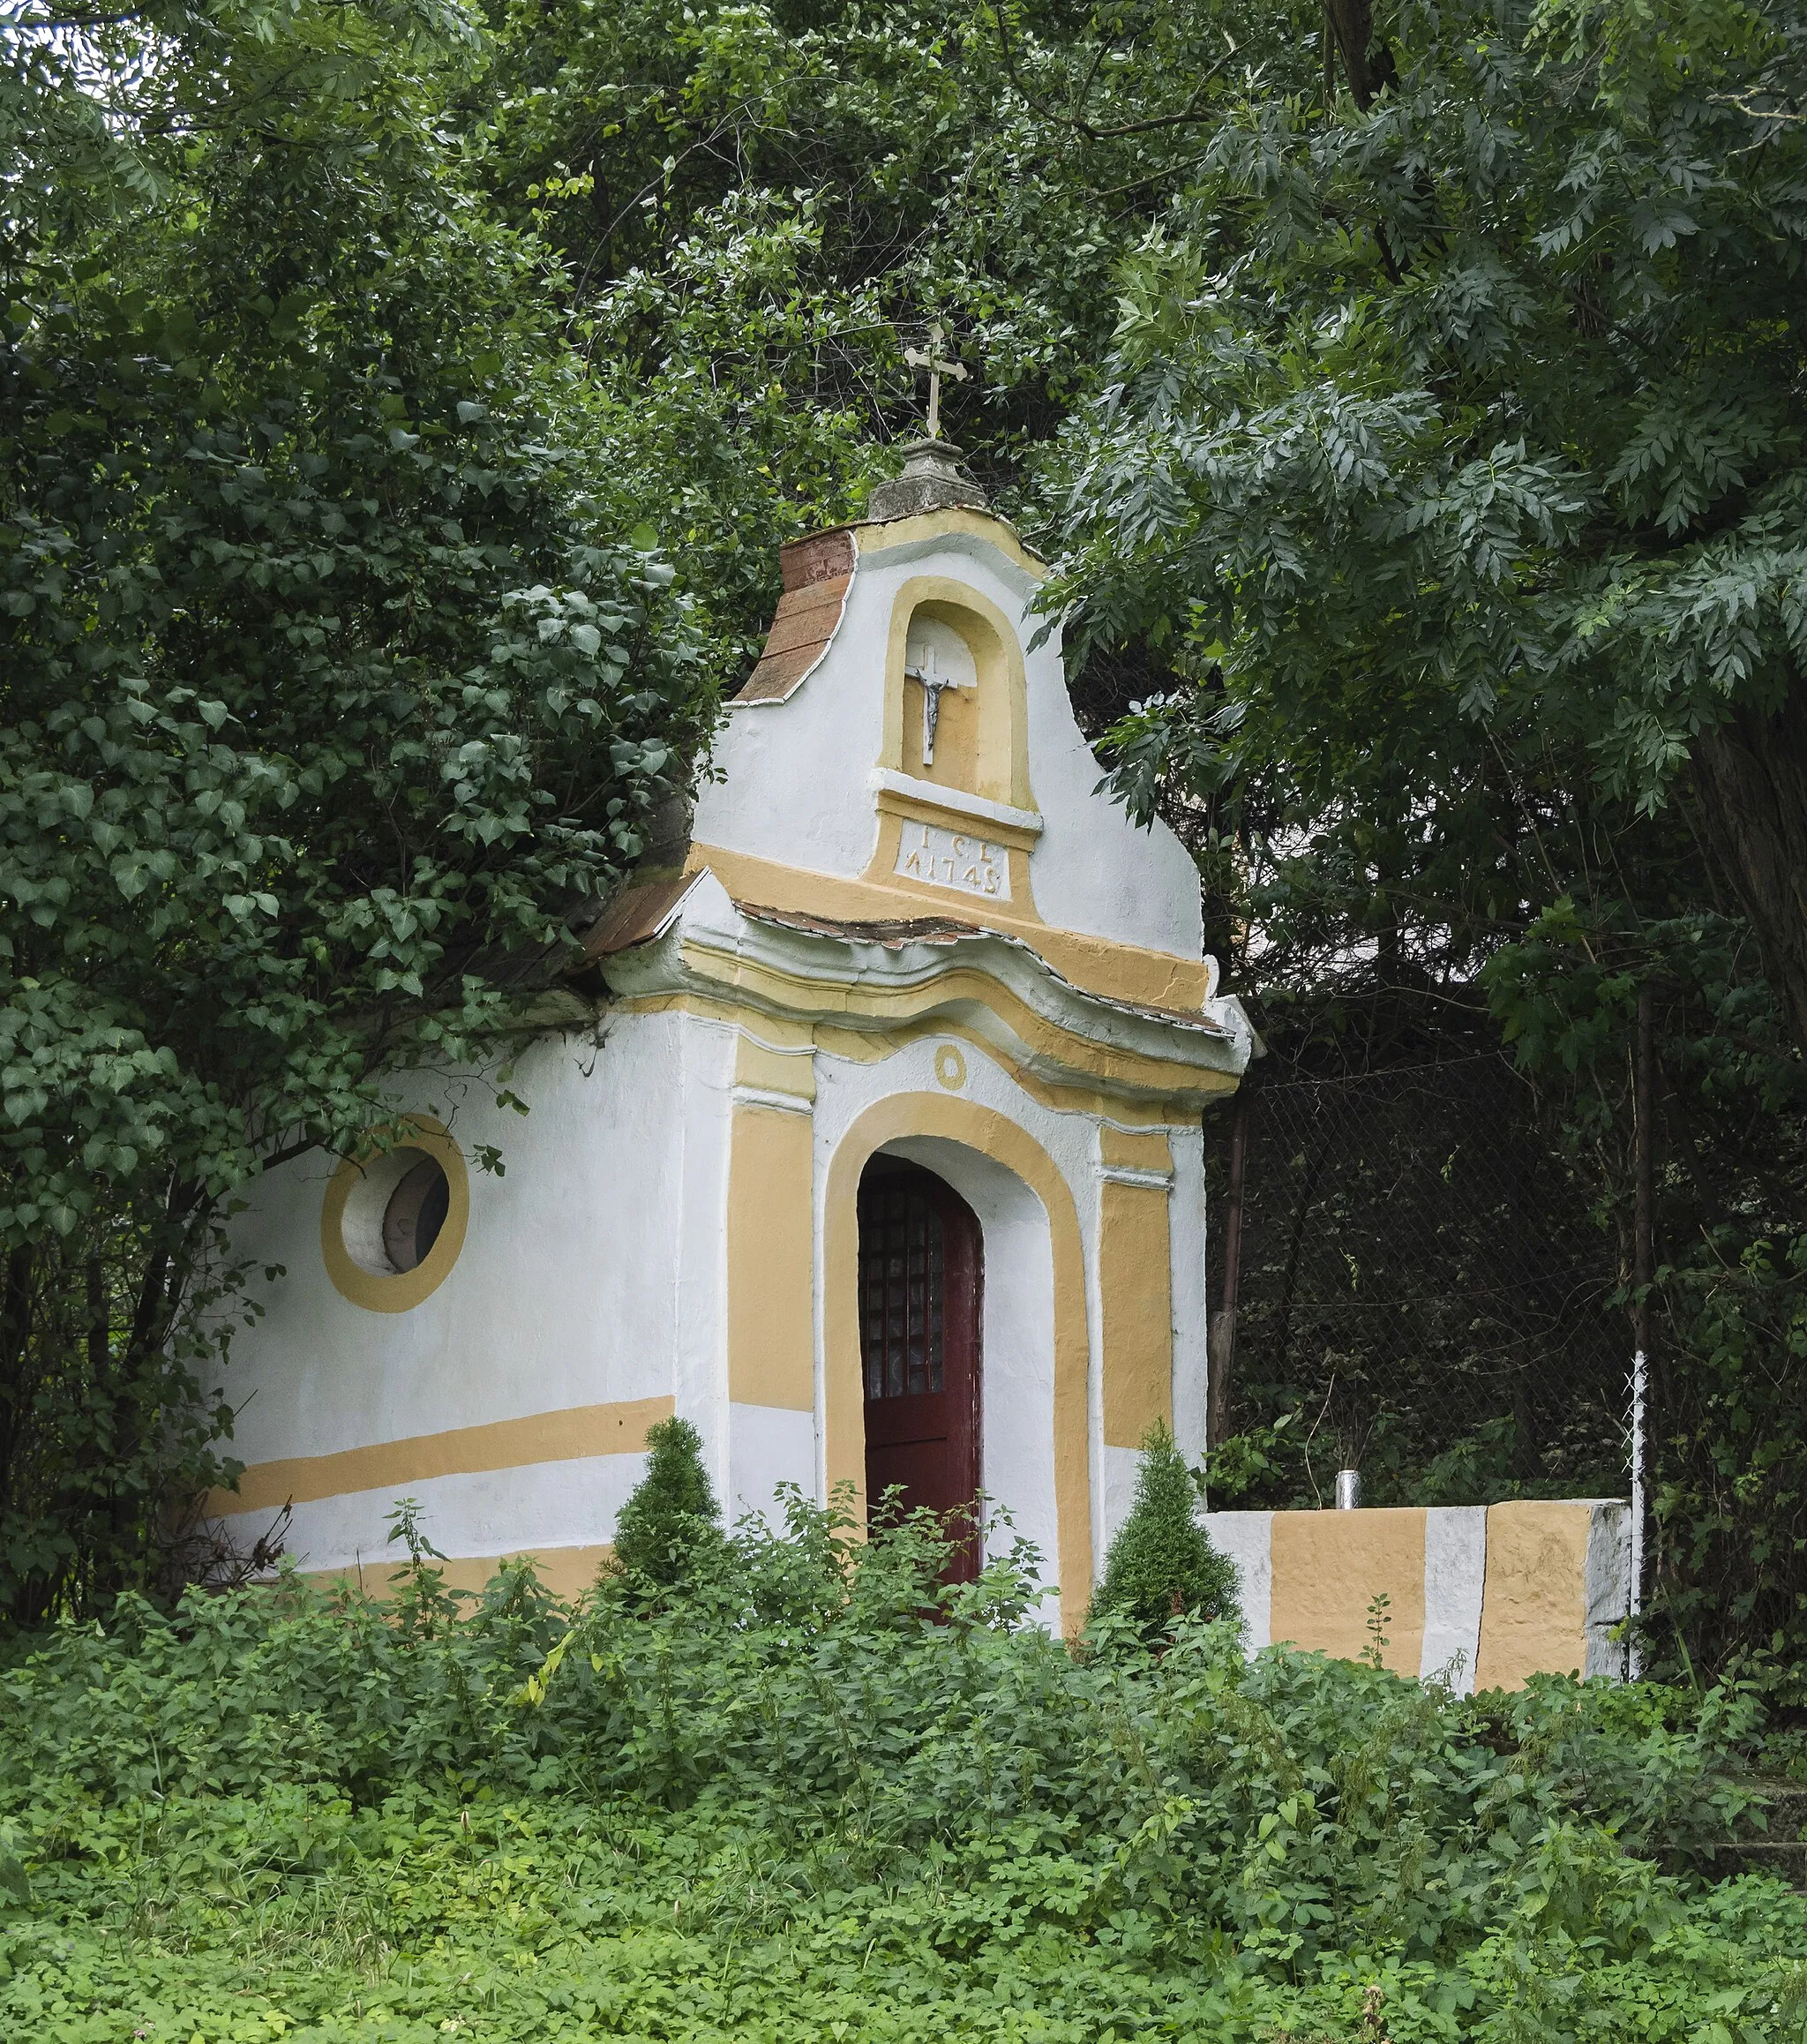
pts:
pixel 945 930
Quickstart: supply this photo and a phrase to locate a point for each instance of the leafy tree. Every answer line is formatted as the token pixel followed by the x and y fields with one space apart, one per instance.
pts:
pixel 333 704
pixel 1449 461
pixel 1461 413
pixel 672 1518
pixel 1162 1563
pixel 751 200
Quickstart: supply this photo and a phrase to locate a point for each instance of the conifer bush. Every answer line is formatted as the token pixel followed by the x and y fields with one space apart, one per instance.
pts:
pixel 1161 1565
pixel 671 1519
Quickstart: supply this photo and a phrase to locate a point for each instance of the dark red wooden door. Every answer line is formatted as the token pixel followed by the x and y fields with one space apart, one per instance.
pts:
pixel 921 1269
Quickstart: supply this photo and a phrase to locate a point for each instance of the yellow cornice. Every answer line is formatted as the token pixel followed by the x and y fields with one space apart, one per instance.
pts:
pixel 1117 972
pixel 961 987
pixel 1169 1106
pixel 876 540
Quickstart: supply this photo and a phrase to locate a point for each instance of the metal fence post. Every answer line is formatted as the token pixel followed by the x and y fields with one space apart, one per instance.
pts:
pixel 1634 1658
pixel 1643 1278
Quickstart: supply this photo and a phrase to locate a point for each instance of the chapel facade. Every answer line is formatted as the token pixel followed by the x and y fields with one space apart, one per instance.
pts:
pixel 877 1151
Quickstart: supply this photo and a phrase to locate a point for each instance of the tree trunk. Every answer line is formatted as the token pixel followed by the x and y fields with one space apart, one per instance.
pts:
pixel 1368 65
pixel 1752 775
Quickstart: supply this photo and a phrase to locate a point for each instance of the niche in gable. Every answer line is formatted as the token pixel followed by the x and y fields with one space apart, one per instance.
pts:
pixel 956 709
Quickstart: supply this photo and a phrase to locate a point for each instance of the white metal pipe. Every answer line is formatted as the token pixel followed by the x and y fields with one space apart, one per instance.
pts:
pixel 1640 1384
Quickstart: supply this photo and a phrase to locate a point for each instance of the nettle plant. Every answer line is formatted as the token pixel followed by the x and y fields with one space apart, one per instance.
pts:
pixel 808 1784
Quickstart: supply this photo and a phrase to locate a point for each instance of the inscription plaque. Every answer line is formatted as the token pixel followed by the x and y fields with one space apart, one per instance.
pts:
pixel 951 859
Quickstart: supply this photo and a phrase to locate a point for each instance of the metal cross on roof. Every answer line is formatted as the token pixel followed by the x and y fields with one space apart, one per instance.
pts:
pixel 938 365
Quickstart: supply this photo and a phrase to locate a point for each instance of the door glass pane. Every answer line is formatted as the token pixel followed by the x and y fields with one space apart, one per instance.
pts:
pixel 901 1259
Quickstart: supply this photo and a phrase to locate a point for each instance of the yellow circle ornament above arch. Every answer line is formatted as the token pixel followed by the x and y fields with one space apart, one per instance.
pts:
pixel 397 1291
pixel 996 1136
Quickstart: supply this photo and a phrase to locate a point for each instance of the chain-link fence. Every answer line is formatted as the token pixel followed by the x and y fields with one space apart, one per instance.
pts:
pixel 1423 1295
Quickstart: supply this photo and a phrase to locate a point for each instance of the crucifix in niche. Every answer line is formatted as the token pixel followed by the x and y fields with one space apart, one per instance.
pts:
pixel 932 672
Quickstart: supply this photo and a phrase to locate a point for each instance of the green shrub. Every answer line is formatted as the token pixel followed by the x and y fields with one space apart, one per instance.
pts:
pixel 1161 1564
pixel 672 1521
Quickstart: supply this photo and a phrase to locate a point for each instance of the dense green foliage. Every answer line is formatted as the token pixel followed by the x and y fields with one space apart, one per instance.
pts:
pixel 1450 456
pixel 1160 1563
pixel 787 1803
pixel 671 1521
pixel 331 698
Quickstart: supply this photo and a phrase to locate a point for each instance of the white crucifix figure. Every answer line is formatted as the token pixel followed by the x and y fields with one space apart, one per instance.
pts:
pixel 932 676
pixel 938 365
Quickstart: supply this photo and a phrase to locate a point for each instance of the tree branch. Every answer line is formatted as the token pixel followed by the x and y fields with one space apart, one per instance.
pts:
pixel 1189 113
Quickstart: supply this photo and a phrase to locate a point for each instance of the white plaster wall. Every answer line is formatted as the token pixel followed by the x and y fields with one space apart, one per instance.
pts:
pixel 768 1445
pixel 1609 1586
pixel 1186 1221
pixel 1455 1572
pixel 591 1273
pixel 1119 1469
pixel 796 788
pixel 545 1506
pixel 1247 1537
pixel 690 1135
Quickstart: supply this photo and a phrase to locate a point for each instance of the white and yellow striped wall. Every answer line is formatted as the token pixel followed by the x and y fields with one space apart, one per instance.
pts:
pixel 1480 1596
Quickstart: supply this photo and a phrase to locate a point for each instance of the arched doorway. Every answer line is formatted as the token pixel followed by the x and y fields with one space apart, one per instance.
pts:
pixel 921 1278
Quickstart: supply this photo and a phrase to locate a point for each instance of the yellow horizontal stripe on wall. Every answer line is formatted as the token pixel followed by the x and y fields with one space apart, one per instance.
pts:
pixel 568 1572
pixel 572 1435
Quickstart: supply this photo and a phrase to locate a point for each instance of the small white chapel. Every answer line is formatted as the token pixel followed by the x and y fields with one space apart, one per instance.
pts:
pixel 875 1147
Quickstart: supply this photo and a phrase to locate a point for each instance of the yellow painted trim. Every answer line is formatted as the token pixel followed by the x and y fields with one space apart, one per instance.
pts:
pixel 872 1047
pixel 1135 1300
pixel 993 1136
pixel 875 540
pixel 1002 736
pixel 867 1046
pixel 863 1046
pixel 397 1292
pixel 1326 1568
pixel 962 986
pixel 568 1572
pixel 1124 1149
pixel 771 1258
pixel 1534 1600
pixel 576 1434
pixel 775 1070
pixel 1117 971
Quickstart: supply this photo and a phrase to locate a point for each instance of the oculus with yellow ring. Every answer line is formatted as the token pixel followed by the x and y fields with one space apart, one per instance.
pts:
pixel 394 1218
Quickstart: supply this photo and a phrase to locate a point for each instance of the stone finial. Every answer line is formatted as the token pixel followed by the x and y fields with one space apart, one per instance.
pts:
pixel 932 480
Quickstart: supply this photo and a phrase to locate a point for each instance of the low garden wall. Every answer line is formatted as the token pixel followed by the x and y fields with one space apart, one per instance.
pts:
pixel 1484 1596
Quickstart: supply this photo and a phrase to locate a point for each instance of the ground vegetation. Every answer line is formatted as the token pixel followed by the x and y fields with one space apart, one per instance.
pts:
pixel 812 1790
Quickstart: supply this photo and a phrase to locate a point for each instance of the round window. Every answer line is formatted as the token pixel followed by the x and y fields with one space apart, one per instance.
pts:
pixel 416 1213
pixel 392 1221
